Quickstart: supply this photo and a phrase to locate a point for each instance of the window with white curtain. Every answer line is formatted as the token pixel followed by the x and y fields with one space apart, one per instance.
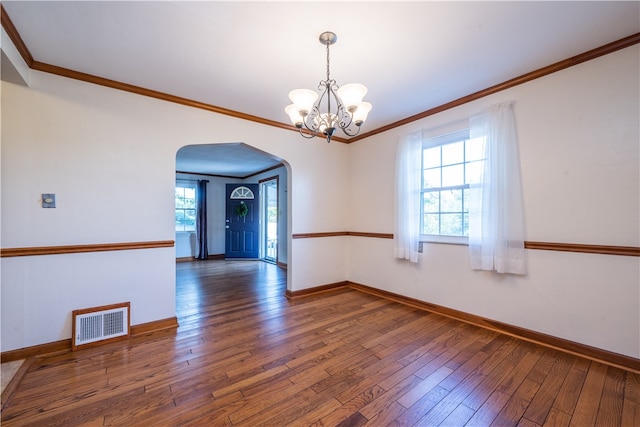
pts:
pixel 462 185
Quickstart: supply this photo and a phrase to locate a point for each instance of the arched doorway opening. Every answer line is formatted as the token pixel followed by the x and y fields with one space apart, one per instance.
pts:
pixel 220 164
pixel 237 163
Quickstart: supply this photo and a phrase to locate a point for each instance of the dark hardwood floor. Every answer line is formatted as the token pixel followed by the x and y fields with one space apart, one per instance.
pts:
pixel 246 356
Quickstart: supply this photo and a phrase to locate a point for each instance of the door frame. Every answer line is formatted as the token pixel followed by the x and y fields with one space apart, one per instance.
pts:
pixel 242 230
pixel 264 218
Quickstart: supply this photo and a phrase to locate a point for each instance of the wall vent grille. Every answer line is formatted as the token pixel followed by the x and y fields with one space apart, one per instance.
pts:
pixel 100 324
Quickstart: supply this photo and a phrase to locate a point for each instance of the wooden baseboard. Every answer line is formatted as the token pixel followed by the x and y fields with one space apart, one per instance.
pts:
pixel 190 258
pixel 64 346
pixel 168 324
pixel 61 346
pixel 316 290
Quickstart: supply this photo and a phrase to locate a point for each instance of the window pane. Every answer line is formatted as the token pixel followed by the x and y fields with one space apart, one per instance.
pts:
pixel 432 178
pixel 431 157
pixel 190 219
pixel 474 149
pixel 452 175
pixel 190 193
pixel 185 201
pixel 449 171
pixel 465 227
pixel 474 172
pixel 451 201
pixel 189 203
pixel 179 220
pixel 453 153
pixel 451 224
pixel 465 200
pixel 431 224
pixel 431 201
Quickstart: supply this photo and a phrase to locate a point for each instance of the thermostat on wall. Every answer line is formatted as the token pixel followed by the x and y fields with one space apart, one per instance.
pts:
pixel 48 200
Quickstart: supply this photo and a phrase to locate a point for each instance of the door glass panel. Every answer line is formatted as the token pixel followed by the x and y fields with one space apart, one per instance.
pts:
pixel 270 220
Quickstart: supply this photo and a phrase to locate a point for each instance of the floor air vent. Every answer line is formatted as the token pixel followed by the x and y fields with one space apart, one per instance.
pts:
pixel 99 325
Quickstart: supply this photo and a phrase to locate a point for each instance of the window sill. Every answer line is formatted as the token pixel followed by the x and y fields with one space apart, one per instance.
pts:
pixel 447 240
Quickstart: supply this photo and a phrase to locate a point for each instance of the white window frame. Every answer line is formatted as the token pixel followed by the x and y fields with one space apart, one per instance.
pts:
pixel 186 184
pixel 440 139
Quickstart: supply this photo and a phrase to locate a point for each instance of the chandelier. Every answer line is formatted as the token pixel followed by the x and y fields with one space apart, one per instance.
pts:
pixel 344 106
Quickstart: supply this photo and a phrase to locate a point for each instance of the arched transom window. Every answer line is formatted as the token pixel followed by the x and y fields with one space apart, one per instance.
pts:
pixel 242 193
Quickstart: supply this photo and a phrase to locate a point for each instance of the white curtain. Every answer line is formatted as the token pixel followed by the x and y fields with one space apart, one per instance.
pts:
pixel 407 209
pixel 496 224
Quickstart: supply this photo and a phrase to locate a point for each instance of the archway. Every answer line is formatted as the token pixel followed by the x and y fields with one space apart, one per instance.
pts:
pixel 222 163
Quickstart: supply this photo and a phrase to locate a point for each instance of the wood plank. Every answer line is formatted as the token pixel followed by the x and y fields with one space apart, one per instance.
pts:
pixel 387 418
pixel 570 391
pixel 426 403
pixel 424 386
pixel 610 410
pixel 543 401
pixel 517 404
pixel 631 403
pixel 351 407
pixel 557 418
pixel 459 416
pixel 587 405
pixel 485 415
pixel 498 375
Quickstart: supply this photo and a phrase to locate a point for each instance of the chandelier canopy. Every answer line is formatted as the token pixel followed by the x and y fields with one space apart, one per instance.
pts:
pixel 344 107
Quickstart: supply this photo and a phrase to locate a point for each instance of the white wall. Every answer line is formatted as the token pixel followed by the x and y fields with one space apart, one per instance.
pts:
pixel 579 149
pixel 110 158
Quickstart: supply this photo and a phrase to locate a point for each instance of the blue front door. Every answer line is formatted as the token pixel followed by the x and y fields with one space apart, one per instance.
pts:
pixel 242 221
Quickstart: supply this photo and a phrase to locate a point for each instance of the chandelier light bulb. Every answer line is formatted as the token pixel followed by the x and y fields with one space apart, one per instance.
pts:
pixel 303 99
pixel 294 115
pixel 361 113
pixel 351 95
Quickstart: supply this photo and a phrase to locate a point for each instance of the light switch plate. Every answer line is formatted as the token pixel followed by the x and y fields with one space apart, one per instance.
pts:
pixel 48 200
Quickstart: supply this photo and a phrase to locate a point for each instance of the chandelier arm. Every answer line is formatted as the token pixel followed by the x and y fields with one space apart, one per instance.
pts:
pixel 310 121
pixel 343 117
pixel 313 133
pixel 346 130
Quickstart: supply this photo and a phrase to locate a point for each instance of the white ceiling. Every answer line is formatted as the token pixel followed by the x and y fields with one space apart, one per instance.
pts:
pixel 247 56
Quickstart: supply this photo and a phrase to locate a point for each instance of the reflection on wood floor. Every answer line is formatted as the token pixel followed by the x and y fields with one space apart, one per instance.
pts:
pixel 245 355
